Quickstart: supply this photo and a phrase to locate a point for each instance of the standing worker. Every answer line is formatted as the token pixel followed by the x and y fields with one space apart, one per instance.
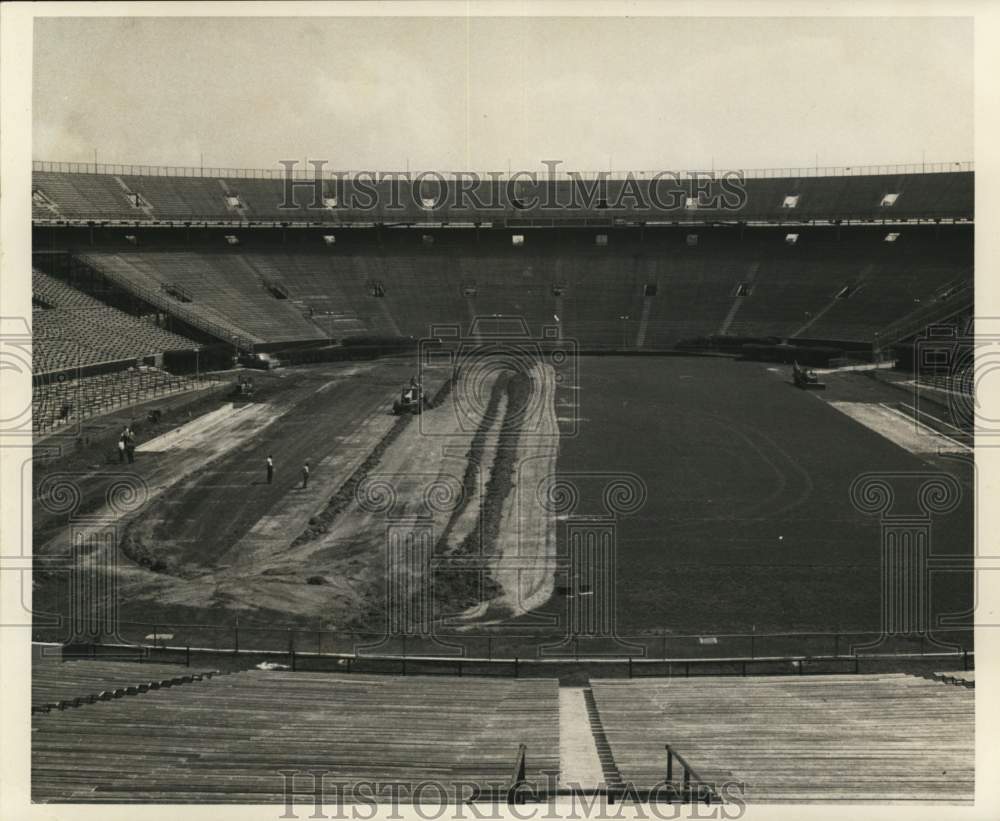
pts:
pixel 121 449
pixel 305 475
pixel 130 445
pixel 270 469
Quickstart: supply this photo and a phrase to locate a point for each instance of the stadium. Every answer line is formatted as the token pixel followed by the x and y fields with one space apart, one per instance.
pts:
pixel 652 487
pixel 529 522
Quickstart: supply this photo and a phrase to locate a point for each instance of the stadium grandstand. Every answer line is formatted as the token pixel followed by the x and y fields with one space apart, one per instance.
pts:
pixel 90 356
pixel 889 737
pixel 278 628
pixel 630 281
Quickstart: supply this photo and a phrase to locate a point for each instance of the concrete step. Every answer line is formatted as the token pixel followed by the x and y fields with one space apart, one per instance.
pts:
pixel 580 766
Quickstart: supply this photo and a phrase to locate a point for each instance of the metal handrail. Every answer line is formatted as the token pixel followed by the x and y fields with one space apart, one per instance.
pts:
pixel 651 636
pixel 688 776
pixel 518 776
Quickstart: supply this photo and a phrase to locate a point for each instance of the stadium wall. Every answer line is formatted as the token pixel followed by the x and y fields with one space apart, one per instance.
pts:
pixel 592 283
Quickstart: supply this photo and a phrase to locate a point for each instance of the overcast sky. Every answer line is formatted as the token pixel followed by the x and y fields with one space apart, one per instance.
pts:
pixel 457 93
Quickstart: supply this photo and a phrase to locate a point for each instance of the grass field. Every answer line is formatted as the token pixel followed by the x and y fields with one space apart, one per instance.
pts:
pixel 748 522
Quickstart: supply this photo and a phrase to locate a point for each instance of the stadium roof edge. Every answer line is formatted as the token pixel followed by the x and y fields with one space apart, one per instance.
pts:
pixel 543 175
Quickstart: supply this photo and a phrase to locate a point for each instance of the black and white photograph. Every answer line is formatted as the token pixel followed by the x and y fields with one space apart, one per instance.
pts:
pixel 479 410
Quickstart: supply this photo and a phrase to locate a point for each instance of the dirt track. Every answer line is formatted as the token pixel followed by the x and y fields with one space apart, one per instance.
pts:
pixel 210 510
pixel 214 538
pixel 521 558
pixel 747 514
pixel 216 484
pixel 431 488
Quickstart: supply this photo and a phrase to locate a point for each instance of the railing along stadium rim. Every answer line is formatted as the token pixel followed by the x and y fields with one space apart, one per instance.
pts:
pixel 529 666
pixel 307 172
pixel 244 637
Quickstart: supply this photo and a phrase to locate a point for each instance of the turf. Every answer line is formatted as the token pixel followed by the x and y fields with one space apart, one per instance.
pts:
pixel 748 522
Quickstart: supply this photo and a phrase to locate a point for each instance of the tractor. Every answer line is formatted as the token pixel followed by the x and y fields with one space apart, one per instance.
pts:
pixel 411 400
pixel 806 378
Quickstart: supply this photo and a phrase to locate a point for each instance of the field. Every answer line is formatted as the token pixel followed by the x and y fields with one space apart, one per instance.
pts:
pixel 748 522
pixel 726 488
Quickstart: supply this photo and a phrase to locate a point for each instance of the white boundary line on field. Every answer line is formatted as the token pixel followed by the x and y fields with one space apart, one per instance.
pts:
pixel 931 416
pixel 925 428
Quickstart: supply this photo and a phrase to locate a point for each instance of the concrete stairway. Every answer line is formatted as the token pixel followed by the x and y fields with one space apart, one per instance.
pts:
pixel 580 767
pixel 612 777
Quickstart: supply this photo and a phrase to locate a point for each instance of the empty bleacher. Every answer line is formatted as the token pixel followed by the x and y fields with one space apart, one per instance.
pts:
pixel 71 339
pixel 889 291
pixel 73 330
pixel 647 289
pixel 86 196
pixel 793 290
pixel 225 292
pixel 58 683
pixel 190 195
pixel 227 739
pixel 182 198
pixel 63 398
pixel 891 737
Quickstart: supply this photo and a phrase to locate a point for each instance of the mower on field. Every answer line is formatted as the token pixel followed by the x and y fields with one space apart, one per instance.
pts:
pixel 806 378
pixel 411 400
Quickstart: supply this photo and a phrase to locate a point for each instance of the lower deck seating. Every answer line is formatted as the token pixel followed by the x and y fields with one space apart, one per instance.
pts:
pixel 648 292
pixel 71 329
pixel 228 739
pixel 796 738
pixel 223 290
pixel 58 401
pixel 57 683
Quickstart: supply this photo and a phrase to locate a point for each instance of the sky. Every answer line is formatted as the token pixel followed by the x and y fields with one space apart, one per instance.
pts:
pixel 458 93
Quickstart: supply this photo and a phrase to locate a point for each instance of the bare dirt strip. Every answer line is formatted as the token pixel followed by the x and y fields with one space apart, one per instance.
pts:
pixel 216 481
pixel 214 539
pixel 521 555
pixel 450 482
pixel 332 565
pixel 200 443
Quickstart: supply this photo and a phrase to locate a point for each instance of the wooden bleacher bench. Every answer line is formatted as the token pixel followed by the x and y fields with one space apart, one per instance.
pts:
pixel 794 738
pixel 225 738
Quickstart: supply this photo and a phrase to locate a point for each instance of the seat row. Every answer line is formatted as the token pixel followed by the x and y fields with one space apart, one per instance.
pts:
pixel 60 400
pixel 230 738
pixel 58 683
pixel 794 738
